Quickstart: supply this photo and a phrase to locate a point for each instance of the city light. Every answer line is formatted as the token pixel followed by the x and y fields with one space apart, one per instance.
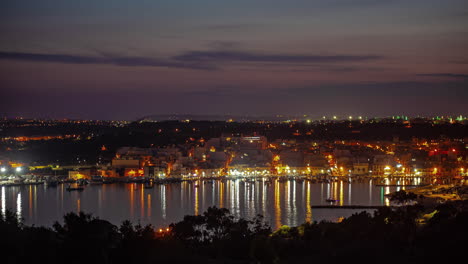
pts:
pixel 3 169
pixel 18 169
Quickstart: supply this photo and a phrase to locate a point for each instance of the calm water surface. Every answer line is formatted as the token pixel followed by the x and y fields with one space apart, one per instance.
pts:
pixel 281 203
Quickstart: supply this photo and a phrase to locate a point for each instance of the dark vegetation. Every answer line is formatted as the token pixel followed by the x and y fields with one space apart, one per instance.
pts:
pixel 403 197
pixel 410 234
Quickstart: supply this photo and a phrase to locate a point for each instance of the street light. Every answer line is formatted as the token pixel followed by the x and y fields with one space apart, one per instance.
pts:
pixel 18 169
pixel 3 169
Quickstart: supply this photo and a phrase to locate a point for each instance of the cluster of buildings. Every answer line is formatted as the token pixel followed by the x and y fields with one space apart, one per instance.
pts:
pixel 247 156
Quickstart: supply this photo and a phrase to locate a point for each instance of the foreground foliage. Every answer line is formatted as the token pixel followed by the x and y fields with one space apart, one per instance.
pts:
pixel 408 234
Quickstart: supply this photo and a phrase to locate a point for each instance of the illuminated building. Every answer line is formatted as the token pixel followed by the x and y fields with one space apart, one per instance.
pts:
pixel 134 172
pixel 76 175
pixel 360 168
pixel 154 172
pixel 125 162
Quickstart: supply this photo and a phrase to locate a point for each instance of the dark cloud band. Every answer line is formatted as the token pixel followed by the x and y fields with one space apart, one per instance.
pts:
pixel 111 60
pixel 448 75
pixel 197 60
pixel 233 56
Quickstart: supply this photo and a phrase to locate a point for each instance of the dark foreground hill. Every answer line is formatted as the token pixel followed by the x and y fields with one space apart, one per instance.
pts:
pixel 410 234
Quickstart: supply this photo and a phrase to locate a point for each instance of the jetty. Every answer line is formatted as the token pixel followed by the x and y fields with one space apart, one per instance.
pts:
pixel 349 206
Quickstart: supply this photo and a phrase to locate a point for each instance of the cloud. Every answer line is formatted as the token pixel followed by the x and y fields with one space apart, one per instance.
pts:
pixel 241 56
pixel 448 75
pixel 195 60
pixel 107 59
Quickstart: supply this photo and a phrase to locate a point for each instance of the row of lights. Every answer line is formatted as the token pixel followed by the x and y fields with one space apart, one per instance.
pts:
pixel 334 118
pixel 17 169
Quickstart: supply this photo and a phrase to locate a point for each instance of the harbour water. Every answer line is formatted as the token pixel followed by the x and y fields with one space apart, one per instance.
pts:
pixel 287 202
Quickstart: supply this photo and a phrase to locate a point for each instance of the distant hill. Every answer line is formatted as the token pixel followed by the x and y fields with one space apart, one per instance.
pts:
pixel 236 118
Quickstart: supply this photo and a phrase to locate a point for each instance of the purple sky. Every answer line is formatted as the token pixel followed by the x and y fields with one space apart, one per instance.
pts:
pixel 127 59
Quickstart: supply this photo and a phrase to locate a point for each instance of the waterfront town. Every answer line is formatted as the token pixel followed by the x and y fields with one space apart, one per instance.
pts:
pixel 234 132
pixel 423 161
pixel 185 149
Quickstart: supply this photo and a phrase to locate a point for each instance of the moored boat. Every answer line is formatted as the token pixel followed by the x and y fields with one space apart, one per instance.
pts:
pixel 82 182
pixel 96 179
pixel 78 188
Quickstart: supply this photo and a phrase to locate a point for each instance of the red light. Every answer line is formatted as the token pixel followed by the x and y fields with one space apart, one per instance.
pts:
pixel 453 150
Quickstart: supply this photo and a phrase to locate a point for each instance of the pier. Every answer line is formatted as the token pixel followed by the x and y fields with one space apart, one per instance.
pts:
pixel 349 206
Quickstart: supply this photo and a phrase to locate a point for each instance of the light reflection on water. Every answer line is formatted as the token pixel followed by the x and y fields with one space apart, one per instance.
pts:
pixel 281 203
pixel 3 197
pixel 19 208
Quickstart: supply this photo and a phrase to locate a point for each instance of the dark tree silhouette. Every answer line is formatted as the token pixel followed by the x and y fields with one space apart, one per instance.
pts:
pixel 403 197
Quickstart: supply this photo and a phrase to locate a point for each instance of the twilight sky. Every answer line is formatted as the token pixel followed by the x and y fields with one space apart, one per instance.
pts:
pixel 121 59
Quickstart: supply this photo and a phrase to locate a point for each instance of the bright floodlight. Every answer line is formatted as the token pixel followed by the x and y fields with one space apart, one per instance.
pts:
pixel 18 169
pixel 3 169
